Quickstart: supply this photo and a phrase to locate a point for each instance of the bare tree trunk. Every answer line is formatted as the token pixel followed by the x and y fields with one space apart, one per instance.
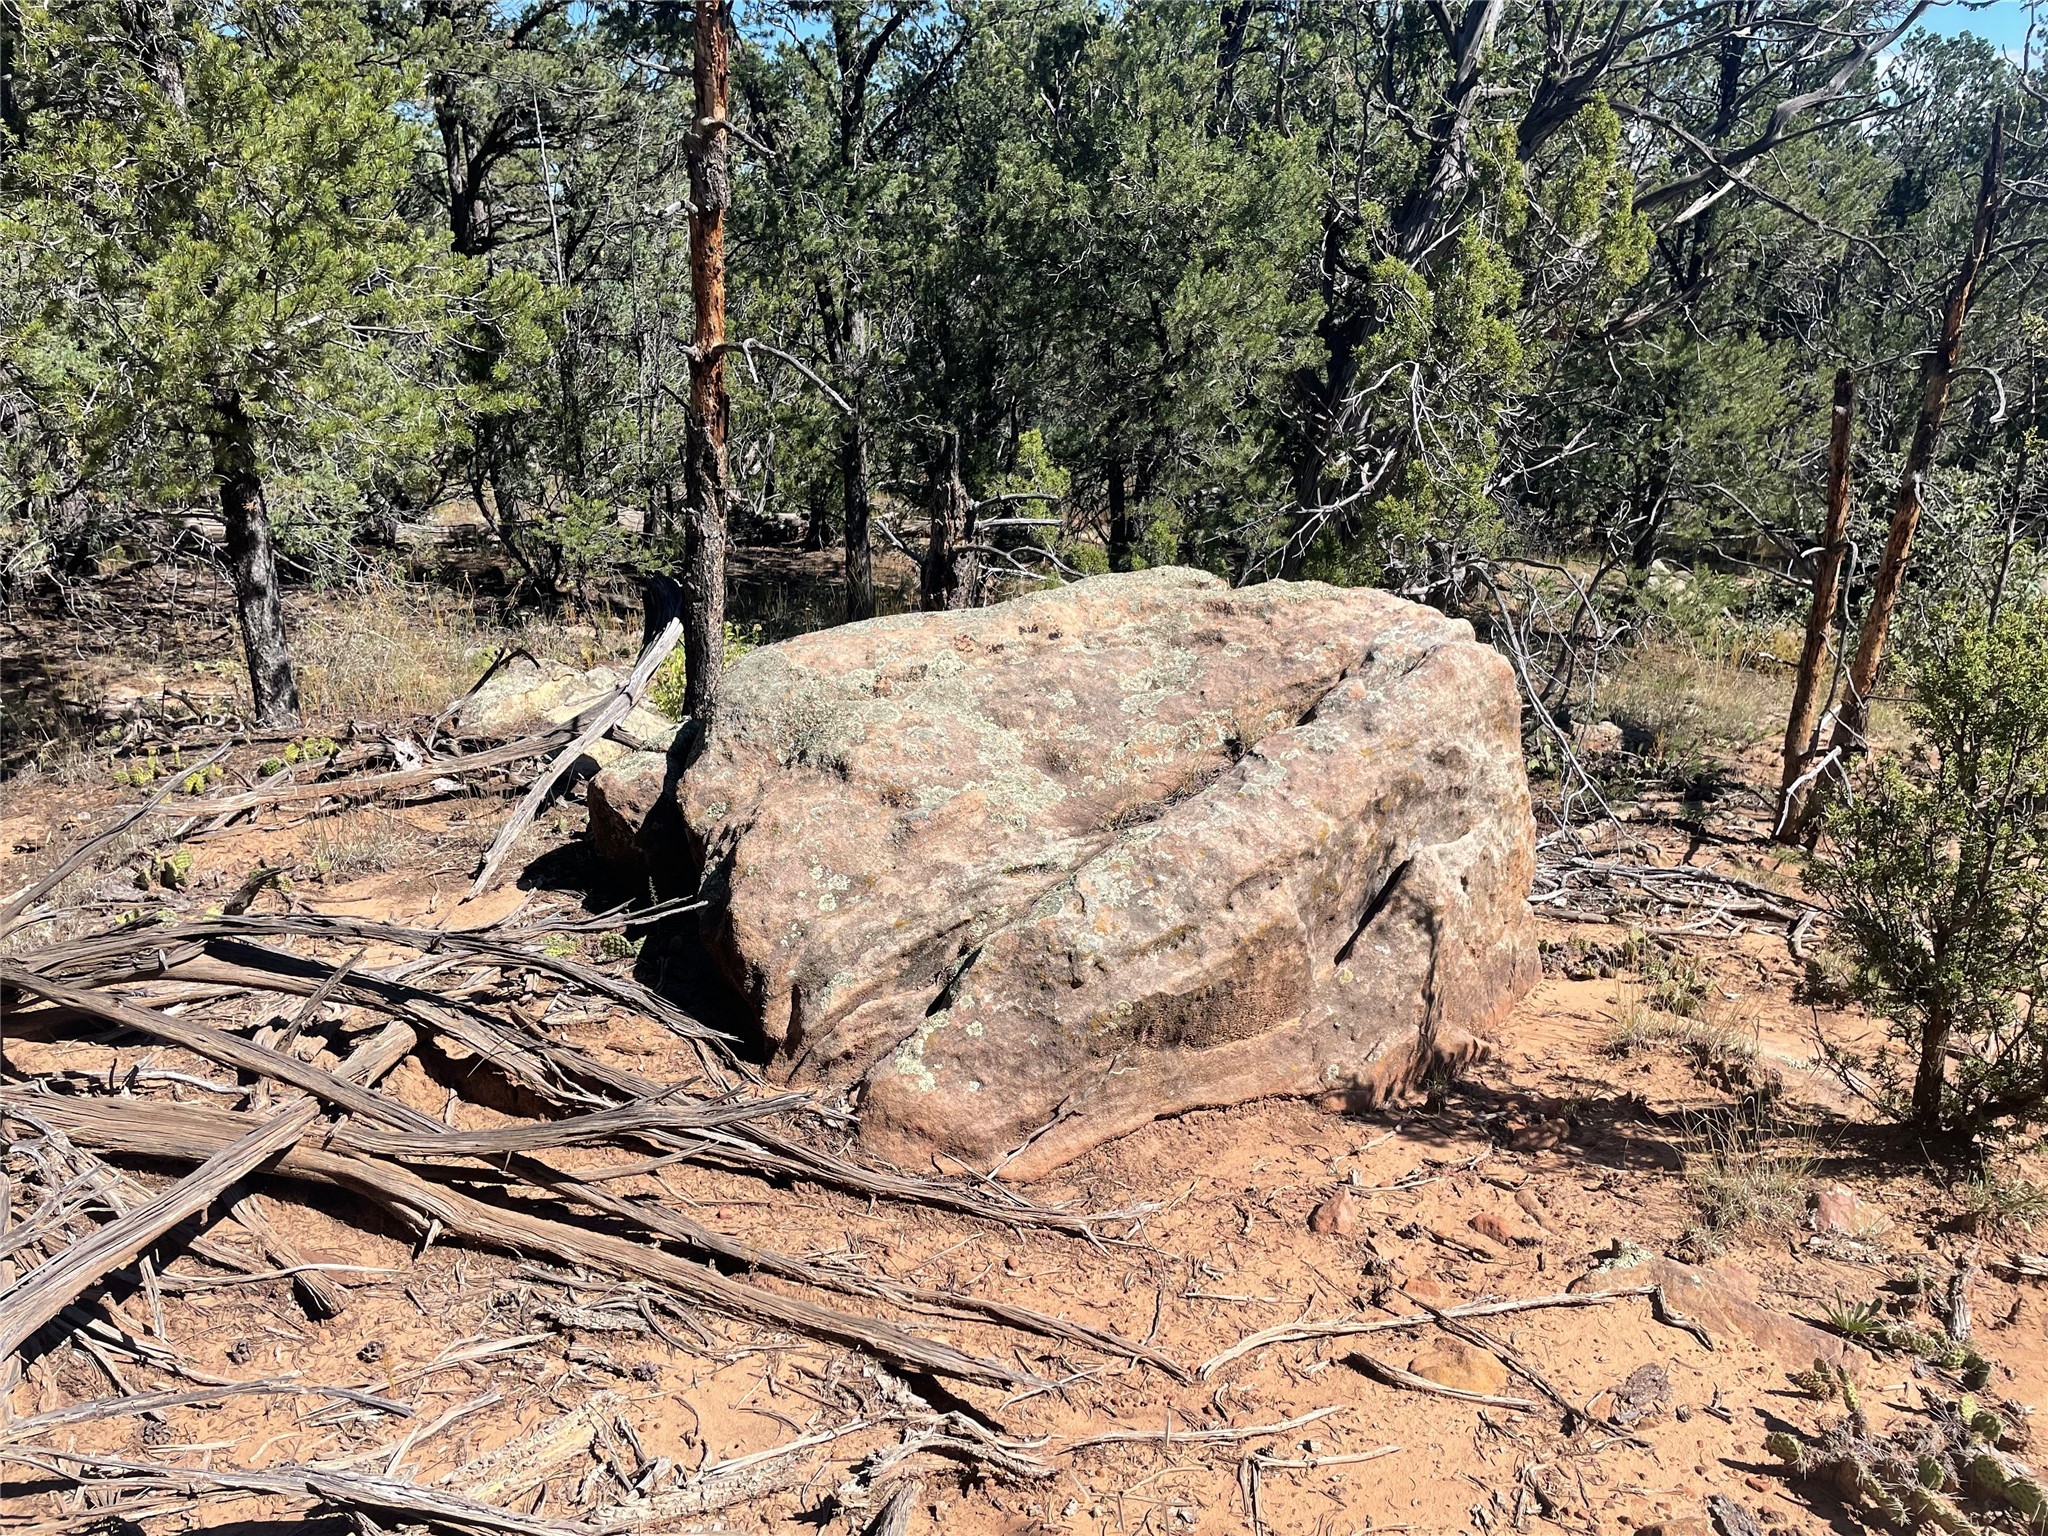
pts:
pixel 253 562
pixel 1119 514
pixel 1940 374
pixel 860 556
pixel 950 575
pixel 704 518
pixel 1655 502
pixel 1931 1076
pixel 818 518
pixel 1827 587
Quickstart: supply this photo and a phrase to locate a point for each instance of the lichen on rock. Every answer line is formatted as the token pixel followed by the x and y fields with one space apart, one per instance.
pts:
pixel 1044 871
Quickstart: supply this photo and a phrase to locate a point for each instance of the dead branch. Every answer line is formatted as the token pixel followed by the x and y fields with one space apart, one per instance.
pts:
pixel 608 715
pixel 342 1490
pixel 155 1402
pixel 86 955
pixel 188 1133
pixel 1166 1435
pixel 47 1289
pixel 368 785
pixel 894 1518
pixel 1352 1327
pixel 1394 1376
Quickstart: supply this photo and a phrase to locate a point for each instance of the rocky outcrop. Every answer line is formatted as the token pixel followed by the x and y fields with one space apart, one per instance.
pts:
pixel 1721 1302
pixel 625 801
pixel 1029 876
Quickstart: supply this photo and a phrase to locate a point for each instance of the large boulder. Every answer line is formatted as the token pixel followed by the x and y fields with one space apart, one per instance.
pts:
pixel 1032 875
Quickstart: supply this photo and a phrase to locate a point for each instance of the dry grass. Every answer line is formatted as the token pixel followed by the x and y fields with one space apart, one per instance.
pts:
pixel 1719 1051
pixel 1740 1180
pixel 364 840
pixel 2002 1207
pixel 1678 702
pixel 396 652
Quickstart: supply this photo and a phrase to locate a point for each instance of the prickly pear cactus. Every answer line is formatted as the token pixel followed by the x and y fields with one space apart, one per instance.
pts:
pixel 1917 1474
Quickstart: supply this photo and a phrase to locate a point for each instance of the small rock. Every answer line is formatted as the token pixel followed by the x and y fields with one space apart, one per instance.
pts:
pixel 241 1352
pixel 1733 1519
pixel 1467 1242
pixel 1538 1135
pixel 156 1432
pixel 371 1352
pixel 1497 1229
pixel 1341 1213
pixel 1683 1525
pixel 1600 739
pixel 1454 1363
pixel 1838 1212
pixel 1714 1299
pixel 1423 1288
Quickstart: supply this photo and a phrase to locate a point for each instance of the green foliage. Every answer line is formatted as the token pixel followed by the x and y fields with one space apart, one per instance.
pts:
pixel 1740 1181
pixel 242 241
pixel 1937 872
pixel 665 690
pixel 1998 1206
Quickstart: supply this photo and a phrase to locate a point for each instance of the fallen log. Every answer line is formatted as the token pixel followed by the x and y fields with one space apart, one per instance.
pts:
pixel 155 1402
pixel 189 1133
pixel 377 783
pixel 216 1045
pixel 82 956
pixel 48 1288
pixel 143 1128
pixel 544 1067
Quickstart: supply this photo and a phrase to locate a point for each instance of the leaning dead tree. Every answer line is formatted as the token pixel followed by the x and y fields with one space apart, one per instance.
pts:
pixel 1939 377
pixel 1820 618
pixel 708 473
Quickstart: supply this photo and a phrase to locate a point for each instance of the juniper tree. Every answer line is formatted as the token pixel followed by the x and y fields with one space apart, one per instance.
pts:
pixel 205 213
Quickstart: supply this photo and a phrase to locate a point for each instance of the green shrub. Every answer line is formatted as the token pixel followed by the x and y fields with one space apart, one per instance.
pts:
pixel 1936 868
pixel 665 689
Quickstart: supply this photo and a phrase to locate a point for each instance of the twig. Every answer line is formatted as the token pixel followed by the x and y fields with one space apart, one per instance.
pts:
pixel 155 1402
pixel 1394 1376
pixel 1168 1436
pixel 11 912
pixel 1310 1463
pixel 343 1490
pixel 1351 1327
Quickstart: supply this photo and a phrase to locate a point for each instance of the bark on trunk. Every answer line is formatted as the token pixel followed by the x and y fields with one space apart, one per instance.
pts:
pixel 1940 375
pixel 950 574
pixel 860 558
pixel 705 517
pixel 1820 618
pixel 1655 503
pixel 1932 1074
pixel 252 560
pixel 1119 514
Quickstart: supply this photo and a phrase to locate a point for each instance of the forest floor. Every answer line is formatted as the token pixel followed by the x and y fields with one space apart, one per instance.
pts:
pixel 1660 1092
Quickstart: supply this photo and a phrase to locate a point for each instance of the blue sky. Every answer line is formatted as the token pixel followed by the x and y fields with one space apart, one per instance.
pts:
pixel 2002 23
